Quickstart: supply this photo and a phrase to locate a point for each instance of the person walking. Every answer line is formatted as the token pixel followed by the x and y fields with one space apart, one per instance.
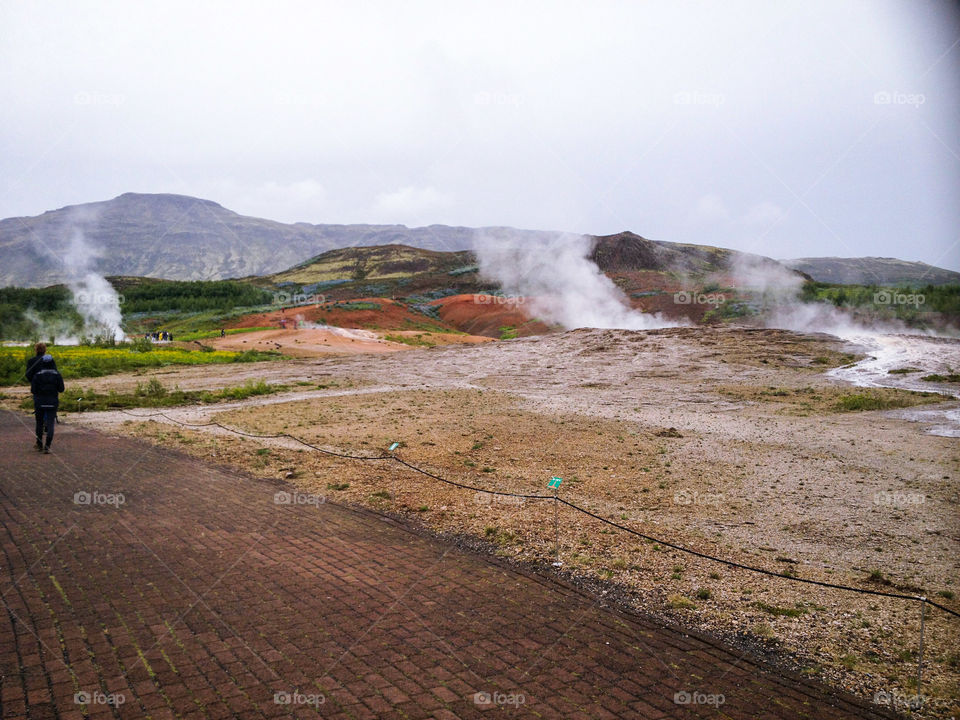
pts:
pixel 33 363
pixel 46 386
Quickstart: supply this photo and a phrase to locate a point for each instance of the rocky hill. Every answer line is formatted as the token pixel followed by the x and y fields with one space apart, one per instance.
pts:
pixel 873 271
pixel 181 238
pixel 184 238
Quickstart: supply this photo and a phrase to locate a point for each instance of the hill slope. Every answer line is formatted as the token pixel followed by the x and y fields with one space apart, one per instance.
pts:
pixel 873 271
pixel 183 238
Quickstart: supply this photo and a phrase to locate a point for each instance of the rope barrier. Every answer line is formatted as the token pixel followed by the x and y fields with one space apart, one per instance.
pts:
pixel 763 571
pixel 571 505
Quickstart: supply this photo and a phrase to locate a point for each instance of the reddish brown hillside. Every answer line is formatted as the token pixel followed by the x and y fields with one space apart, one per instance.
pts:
pixel 388 315
pixel 488 314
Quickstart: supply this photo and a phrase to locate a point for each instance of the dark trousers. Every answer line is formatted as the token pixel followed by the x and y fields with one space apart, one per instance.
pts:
pixel 46 418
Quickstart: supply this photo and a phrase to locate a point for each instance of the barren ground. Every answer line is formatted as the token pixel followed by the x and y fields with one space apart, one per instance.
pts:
pixel 724 440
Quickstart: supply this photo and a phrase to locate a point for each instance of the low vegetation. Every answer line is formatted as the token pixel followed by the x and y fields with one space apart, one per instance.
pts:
pixel 937 377
pixel 170 295
pixel 811 400
pixel 79 361
pixel 418 340
pixel 153 394
pixel 935 305
pixel 864 401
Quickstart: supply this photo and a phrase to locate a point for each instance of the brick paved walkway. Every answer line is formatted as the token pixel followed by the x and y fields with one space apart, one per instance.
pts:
pixel 199 596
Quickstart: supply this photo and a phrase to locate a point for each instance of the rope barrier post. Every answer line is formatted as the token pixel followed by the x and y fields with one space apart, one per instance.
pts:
pixel 391 449
pixel 923 617
pixel 555 484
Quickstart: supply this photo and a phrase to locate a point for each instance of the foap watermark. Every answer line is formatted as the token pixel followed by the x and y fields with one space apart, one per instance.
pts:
pixel 895 97
pixel 686 297
pixel 297 498
pixel 698 698
pixel 285 298
pixel 490 97
pixel 498 698
pixel 91 97
pixel 698 97
pixel 298 698
pixel 291 99
pixel 899 701
pixel 97 697
pixel 95 497
pixel 485 498
pixel 498 299
pixel 899 499
pixel 692 497
pixel 87 297
pixel 889 297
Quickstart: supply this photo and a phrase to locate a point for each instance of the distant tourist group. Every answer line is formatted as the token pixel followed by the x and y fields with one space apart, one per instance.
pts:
pixel 159 336
pixel 46 384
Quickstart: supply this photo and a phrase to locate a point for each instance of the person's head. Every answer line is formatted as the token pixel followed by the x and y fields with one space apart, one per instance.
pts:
pixel 40 348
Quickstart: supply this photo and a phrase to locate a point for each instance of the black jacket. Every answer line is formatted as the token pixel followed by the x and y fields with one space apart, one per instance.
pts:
pixel 33 364
pixel 46 384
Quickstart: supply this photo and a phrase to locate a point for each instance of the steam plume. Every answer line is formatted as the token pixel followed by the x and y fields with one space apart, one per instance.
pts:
pixel 560 283
pixel 96 299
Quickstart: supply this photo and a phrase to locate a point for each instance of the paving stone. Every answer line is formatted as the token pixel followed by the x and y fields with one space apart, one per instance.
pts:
pixel 199 597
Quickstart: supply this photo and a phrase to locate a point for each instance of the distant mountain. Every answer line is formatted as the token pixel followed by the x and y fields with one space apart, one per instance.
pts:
pixel 183 238
pixel 873 271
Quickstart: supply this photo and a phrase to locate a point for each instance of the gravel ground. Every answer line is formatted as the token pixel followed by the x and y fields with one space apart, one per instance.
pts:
pixel 723 440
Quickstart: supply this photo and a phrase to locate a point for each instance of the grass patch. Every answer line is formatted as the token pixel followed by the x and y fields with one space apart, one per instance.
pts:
pixel 777 611
pixel 763 630
pixel 417 340
pixel 809 400
pixel 241 392
pixel 849 661
pixel 356 306
pixel 856 402
pixel 78 361
pixel 206 334
pixel 936 377
pixel 153 394
pixel 679 602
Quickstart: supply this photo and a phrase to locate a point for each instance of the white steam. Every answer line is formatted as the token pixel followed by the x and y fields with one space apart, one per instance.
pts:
pixel 53 330
pixel 350 333
pixel 765 276
pixel 778 288
pixel 561 284
pixel 96 299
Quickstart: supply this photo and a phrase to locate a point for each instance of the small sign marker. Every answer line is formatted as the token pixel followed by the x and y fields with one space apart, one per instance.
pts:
pixel 394 446
pixel 554 482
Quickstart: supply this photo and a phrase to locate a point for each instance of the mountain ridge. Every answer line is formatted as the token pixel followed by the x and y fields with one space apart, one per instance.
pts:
pixel 873 271
pixel 180 237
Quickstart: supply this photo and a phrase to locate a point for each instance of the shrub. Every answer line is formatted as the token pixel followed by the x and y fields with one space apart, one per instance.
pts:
pixel 679 602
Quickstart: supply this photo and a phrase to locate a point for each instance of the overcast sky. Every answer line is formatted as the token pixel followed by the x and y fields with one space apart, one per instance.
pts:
pixel 784 128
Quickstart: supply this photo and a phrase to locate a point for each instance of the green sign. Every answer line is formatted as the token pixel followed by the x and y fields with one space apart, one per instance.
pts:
pixel 554 482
